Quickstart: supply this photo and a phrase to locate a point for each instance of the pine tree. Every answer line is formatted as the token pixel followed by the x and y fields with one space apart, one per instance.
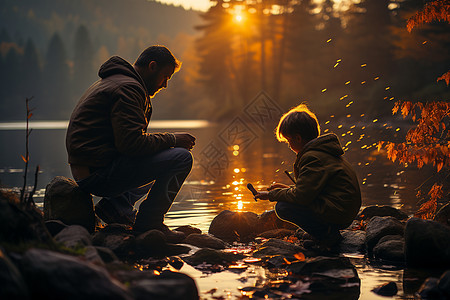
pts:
pixel 83 69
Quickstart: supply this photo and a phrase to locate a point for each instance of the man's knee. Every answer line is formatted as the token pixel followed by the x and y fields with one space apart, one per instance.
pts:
pixel 283 210
pixel 183 156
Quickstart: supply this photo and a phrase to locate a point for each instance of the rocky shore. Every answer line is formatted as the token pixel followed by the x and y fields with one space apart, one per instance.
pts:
pixel 65 254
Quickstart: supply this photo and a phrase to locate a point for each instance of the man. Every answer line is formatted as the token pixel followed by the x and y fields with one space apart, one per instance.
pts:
pixel 111 155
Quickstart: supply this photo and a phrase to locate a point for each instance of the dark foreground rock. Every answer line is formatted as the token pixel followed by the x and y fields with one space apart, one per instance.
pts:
pixel 427 243
pixel 390 248
pixel 353 242
pixel 12 284
pixel 205 241
pixel 388 289
pixel 277 247
pixel 211 256
pixel 52 275
pixel 65 201
pixel 381 211
pixel 235 226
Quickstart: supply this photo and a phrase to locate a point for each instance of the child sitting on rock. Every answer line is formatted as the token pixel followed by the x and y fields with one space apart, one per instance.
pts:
pixel 326 195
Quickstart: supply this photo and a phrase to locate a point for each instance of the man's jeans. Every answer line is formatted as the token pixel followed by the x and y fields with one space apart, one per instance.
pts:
pixel 127 179
pixel 308 221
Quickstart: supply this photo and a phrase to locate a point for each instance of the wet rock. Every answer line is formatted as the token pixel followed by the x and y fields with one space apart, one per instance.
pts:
pixel 74 236
pixel 277 247
pixel 54 226
pixel 321 264
pixel 268 220
pixel 205 241
pixel 430 290
pixel 211 256
pixel 188 229
pixel 353 242
pixel 116 238
pixel 167 286
pixel 390 248
pixel 277 233
pixel 151 243
pixel 176 262
pixel 379 227
pixel 52 275
pixel 427 243
pixel 12 284
pixel 388 289
pixel 443 215
pixel 235 226
pixel 381 211
pixel 444 283
pixel 65 201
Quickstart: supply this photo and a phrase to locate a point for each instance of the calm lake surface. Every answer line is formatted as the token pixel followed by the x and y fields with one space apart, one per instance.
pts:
pixel 228 156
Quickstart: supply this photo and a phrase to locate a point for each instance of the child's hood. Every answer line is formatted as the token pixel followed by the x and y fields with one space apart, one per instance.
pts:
pixel 328 143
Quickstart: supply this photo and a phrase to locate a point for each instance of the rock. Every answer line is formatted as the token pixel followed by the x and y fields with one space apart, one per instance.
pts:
pixel 188 229
pixel 65 201
pixel 353 242
pixel 390 248
pixel 106 254
pixel 379 227
pixel 381 211
pixel 444 283
pixel 269 220
pixel 176 262
pixel 430 290
pixel 212 256
pixel 74 236
pixel 427 243
pixel 443 215
pixel 151 243
pixel 235 226
pixel 120 241
pixel 54 226
pixel 321 264
pixel 91 255
pixel 277 233
pixel 205 241
pixel 167 286
pixel 52 275
pixel 12 284
pixel 277 247
pixel 19 225
pixel 388 289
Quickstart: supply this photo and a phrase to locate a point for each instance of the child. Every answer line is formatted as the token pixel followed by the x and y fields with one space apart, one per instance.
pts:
pixel 326 195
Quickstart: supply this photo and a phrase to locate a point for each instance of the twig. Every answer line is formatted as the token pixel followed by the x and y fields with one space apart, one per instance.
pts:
pixel 31 194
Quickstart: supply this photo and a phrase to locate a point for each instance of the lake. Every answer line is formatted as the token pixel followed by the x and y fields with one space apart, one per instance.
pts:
pixel 227 156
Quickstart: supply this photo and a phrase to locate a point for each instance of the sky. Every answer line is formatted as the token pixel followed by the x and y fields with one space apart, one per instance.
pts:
pixel 202 5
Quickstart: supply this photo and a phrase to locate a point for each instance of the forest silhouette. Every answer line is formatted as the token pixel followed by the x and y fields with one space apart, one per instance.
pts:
pixel 343 60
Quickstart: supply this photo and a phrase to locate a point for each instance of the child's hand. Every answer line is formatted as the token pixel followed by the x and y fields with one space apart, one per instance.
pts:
pixel 262 195
pixel 277 185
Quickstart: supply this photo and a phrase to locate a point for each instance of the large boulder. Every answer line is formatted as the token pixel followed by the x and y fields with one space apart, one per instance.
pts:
pixel 65 201
pixel 12 284
pixel 235 226
pixel 205 241
pixel 379 227
pixel 52 275
pixel 427 243
pixel 381 211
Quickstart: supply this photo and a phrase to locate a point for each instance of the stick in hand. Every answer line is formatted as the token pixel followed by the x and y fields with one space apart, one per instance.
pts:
pixel 252 189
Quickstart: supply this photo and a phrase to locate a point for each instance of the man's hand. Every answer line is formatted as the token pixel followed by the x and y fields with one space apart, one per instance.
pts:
pixel 277 185
pixel 263 195
pixel 184 140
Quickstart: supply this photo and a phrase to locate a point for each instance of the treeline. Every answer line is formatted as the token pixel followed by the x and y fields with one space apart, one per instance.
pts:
pixel 52 49
pixel 342 60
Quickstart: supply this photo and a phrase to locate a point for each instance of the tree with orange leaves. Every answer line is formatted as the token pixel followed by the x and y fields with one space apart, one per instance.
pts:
pixel 429 141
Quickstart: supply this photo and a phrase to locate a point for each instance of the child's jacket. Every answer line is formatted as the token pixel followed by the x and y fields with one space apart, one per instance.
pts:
pixel 325 182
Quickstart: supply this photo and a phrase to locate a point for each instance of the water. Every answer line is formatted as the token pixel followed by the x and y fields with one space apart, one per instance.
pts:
pixel 228 156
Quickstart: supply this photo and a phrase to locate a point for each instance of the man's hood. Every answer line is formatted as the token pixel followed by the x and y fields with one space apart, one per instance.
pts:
pixel 328 143
pixel 117 65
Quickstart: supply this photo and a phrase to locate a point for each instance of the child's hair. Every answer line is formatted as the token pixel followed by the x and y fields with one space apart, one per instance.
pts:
pixel 299 120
